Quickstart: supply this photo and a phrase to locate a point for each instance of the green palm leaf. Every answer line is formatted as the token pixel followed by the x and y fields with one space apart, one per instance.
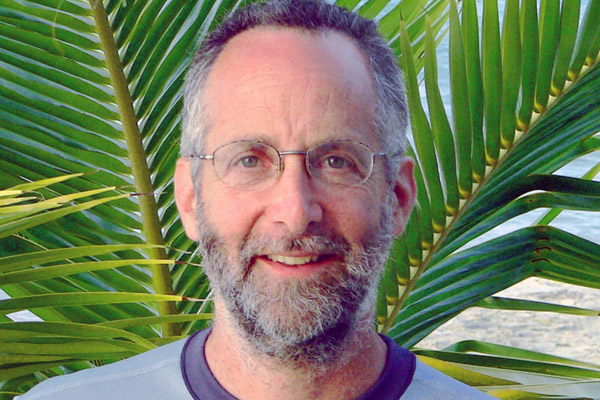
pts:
pixel 513 101
pixel 27 347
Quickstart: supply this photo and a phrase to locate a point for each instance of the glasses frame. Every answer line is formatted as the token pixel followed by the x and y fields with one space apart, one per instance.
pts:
pixel 281 165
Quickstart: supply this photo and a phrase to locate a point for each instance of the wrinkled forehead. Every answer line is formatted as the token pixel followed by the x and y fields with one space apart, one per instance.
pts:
pixel 282 70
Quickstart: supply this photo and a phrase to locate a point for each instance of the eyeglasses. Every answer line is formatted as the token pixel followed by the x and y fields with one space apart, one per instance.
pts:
pixel 253 165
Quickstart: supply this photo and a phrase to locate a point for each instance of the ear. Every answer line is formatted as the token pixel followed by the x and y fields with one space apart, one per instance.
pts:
pixel 185 197
pixel 405 190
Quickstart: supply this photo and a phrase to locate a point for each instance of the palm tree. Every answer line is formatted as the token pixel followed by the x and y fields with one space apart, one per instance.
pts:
pixel 90 98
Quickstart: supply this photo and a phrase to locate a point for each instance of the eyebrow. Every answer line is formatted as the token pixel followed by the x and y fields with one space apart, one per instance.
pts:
pixel 259 137
pixel 266 139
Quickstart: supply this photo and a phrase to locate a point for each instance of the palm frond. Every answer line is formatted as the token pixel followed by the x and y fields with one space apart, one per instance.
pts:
pixel 524 104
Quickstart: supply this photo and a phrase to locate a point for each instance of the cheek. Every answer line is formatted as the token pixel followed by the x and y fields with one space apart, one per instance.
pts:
pixel 355 215
pixel 228 214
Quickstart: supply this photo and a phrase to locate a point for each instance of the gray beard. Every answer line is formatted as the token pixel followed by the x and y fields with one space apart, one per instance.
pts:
pixel 299 321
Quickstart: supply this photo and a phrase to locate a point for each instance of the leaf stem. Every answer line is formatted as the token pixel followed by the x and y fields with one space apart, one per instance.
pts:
pixel 163 282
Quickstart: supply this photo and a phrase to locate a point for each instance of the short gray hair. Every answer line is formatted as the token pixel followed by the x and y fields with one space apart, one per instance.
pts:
pixel 312 16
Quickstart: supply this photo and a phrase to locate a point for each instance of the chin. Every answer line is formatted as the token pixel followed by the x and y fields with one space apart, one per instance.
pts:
pixel 301 320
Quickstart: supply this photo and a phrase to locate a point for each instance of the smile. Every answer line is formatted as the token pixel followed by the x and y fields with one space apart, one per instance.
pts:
pixel 292 260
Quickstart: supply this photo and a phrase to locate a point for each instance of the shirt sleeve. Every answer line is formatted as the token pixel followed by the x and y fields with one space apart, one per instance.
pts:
pixel 152 375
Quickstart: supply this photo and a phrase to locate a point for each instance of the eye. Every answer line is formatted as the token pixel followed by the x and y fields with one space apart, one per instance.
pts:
pixel 337 162
pixel 253 159
pixel 249 162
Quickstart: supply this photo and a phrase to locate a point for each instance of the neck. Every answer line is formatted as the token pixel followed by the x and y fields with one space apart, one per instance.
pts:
pixel 249 375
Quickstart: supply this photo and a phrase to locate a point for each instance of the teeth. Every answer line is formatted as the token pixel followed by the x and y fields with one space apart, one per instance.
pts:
pixel 292 260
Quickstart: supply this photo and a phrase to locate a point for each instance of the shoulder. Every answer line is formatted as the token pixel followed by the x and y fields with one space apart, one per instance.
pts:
pixel 155 374
pixel 429 383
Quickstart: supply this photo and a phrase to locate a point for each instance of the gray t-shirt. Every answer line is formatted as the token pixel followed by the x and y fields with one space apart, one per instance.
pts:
pixel 178 371
pixel 392 383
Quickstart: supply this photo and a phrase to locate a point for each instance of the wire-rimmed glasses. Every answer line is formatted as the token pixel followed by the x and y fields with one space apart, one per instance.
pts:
pixel 254 165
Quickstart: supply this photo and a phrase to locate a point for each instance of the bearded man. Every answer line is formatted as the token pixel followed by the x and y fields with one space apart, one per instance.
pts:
pixel 293 182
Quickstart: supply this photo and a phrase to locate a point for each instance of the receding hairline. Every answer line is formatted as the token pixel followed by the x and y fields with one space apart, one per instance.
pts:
pixel 211 83
pixel 324 33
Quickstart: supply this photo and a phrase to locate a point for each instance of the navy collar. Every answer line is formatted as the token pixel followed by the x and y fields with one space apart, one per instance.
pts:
pixel 392 383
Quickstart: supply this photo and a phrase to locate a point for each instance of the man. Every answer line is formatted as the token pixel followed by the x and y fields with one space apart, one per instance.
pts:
pixel 292 181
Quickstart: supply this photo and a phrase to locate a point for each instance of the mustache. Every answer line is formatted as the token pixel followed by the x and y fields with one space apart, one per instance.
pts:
pixel 318 242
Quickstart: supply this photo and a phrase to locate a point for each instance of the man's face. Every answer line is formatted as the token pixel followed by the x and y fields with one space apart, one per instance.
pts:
pixel 295 263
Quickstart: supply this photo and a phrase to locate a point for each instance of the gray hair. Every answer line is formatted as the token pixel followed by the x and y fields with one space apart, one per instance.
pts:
pixel 312 16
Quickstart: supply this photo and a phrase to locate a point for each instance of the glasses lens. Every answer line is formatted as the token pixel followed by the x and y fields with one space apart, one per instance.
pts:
pixel 246 164
pixel 342 162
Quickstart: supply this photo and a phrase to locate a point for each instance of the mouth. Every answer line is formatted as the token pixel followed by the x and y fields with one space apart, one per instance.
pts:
pixel 296 261
pixel 293 261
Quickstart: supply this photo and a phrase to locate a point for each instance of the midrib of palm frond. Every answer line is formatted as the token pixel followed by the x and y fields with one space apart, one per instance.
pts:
pixel 161 276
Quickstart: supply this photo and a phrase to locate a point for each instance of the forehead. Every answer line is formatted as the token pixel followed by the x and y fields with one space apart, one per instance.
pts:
pixel 292 85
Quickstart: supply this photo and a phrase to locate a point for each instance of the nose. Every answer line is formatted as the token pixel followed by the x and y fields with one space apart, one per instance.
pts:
pixel 292 202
